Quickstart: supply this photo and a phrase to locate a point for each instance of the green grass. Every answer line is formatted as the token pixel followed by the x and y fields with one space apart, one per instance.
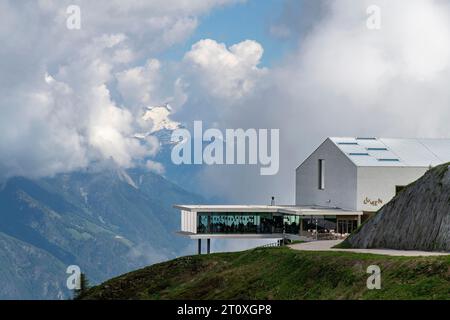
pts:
pixel 282 273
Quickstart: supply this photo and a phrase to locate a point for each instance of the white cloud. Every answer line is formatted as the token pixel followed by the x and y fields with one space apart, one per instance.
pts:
pixel 345 79
pixel 71 97
pixel 76 96
pixel 138 85
pixel 154 166
pixel 396 72
pixel 226 72
pixel 69 119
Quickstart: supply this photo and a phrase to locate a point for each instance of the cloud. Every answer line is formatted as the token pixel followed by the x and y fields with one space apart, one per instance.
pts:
pixel 227 73
pixel 155 166
pixel 138 85
pixel 67 120
pixel 345 80
pixel 73 97
pixel 77 96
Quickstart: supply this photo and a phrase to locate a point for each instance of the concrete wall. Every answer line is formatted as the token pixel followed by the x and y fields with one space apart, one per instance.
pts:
pixel 376 185
pixel 188 221
pixel 340 179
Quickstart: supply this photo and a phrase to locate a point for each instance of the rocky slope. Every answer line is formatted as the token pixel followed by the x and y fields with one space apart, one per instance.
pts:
pixel 418 218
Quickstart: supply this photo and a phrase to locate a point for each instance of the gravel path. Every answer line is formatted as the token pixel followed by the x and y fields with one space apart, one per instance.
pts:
pixel 326 245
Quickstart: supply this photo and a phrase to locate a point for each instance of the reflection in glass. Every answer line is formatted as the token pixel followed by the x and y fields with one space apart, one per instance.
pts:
pixel 247 223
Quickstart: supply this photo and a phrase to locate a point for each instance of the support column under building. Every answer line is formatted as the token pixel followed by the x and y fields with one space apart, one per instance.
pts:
pixel 208 246
pixel 199 246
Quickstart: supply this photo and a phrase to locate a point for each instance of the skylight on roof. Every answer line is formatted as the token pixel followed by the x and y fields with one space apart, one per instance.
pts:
pixel 389 160
pixel 366 138
pixel 358 154
pixel 348 143
pixel 377 149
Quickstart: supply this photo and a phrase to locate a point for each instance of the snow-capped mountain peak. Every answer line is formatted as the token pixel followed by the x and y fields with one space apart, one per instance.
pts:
pixel 160 117
pixel 161 125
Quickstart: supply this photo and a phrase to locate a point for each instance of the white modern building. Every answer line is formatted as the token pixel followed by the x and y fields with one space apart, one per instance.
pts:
pixel 342 183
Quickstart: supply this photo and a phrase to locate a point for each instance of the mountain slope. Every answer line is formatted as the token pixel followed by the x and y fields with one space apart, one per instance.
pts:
pixel 282 273
pixel 418 218
pixel 107 222
pixel 23 266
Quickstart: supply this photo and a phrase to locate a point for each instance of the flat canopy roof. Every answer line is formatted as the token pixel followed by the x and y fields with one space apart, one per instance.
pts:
pixel 297 210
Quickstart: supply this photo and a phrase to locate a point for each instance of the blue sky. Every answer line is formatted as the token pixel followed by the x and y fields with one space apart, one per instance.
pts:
pixel 235 23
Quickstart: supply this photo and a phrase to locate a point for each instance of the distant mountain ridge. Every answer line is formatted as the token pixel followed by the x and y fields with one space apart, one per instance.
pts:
pixel 106 221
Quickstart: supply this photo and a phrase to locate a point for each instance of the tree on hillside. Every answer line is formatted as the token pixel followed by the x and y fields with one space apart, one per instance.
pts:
pixel 84 286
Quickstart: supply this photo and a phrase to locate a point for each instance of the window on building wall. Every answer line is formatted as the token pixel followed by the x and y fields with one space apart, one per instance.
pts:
pixel 321 174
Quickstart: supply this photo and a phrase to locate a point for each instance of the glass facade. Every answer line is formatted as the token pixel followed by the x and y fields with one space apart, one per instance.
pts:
pixel 247 223
pixel 347 226
pixel 270 223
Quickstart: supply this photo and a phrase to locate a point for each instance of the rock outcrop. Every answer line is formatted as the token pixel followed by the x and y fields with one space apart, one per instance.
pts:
pixel 418 218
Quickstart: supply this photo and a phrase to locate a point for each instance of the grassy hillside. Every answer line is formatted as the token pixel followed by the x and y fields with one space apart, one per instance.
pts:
pixel 282 273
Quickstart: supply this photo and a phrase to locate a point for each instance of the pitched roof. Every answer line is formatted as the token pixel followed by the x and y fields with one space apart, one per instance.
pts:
pixel 387 152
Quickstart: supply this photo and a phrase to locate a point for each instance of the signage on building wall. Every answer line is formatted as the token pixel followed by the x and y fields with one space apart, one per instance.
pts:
pixel 374 203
